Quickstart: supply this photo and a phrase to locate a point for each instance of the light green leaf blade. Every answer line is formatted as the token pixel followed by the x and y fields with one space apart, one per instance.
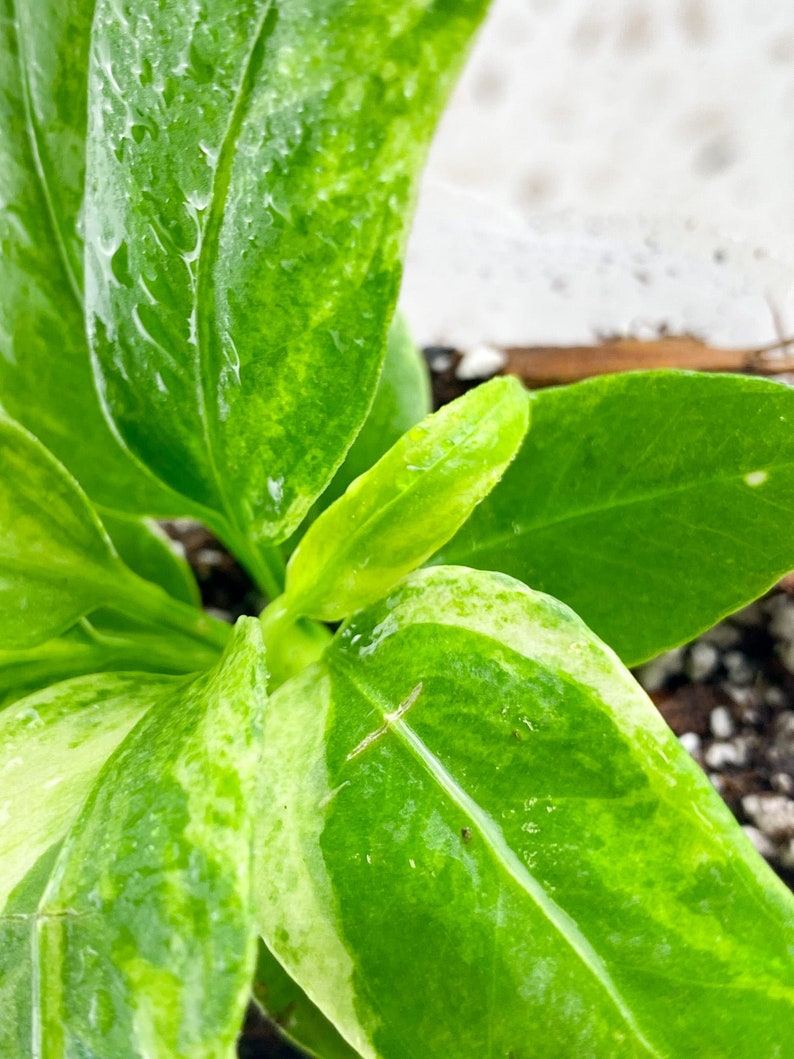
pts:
pixel 297 1017
pixel 106 642
pixel 58 564
pixel 56 561
pixel 249 174
pixel 394 517
pixel 46 381
pixel 652 503
pixel 146 549
pixel 16 970
pixel 145 936
pixel 52 746
pixel 482 836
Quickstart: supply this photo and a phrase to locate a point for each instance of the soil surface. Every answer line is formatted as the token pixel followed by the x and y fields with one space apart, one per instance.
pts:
pixel 728 696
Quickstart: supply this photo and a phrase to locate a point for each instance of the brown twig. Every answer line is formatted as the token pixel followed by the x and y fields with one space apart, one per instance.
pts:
pixel 540 366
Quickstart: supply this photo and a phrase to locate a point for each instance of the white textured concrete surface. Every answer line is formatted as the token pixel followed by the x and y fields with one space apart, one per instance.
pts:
pixel 613 167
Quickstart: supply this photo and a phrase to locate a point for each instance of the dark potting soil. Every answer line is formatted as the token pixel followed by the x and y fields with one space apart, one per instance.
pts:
pixel 728 696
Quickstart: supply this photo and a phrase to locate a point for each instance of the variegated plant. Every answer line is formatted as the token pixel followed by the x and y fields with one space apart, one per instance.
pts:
pixel 453 825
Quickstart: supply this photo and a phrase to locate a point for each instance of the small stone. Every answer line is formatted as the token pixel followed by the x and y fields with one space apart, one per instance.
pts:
pixel 720 755
pixel 786 855
pixel 740 672
pixel 781 611
pixel 722 636
pixel 207 559
pixel 782 782
pixel 721 723
pixel 184 525
pixel 440 362
pixel 762 843
pixel 784 727
pixel 775 697
pixel 654 675
pixel 750 715
pixel 745 698
pixel 702 661
pixel 481 362
pixel 771 813
pixel 690 741
pixel 785 652
pixel 717 782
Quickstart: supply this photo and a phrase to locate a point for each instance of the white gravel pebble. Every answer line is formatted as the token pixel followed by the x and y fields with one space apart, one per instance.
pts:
pixel 480 363
pixel 785 651
pixel 654 675
pixel 786 854
pixel 721 723
pixel 740 672
pixel 719 755
pixel 782 782
pixel 722 636
pixel 746 698
pixel 764 845
pixel 771 813
pixel 702 661
pixel 690 741
pixel 775 697
pixel 781 611
pixel 440 362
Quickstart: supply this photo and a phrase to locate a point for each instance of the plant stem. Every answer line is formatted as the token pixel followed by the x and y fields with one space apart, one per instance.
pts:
pixel 292 643
pixel 151 603
pixel 265 565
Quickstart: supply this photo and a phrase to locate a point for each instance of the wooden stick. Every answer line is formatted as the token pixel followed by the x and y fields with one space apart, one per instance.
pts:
pixel 542 366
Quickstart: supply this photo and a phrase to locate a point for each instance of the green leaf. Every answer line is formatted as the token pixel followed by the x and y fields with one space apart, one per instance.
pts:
pixel 481 839
pixel 395 516
pixel 56 560
pixel 46 380
pixel 144 941
pixel 52 745
pixel 297 1018
pixel 653 503
pixel 147 550
pixel 107 642
pixel 401 400
pixel 249 172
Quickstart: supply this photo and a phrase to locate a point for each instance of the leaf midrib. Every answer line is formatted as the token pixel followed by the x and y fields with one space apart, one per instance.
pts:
pixel 494 838
pixel 583 514
pixel 204 296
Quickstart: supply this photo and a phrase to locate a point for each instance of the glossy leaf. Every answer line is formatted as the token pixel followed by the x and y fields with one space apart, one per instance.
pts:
pixel 653 503
pixel 56 560
pixel 144 941
pixel 481 836
pixel 299 1021
pixel 52 746
pixel 107 642
pixel 249 172
pixel 402 400
pixel 396 515
pixel 147 550
pixel 46 380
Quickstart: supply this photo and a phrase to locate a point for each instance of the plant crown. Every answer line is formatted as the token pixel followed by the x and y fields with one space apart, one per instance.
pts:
pixel 418 804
